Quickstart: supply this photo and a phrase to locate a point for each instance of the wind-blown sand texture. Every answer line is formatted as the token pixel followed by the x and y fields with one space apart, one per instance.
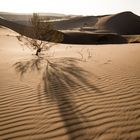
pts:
pixel 93 99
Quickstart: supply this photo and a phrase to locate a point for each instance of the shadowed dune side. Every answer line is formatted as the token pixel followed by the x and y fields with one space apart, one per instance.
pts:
pixel 22 29
pixel 91 38
pixel 125 23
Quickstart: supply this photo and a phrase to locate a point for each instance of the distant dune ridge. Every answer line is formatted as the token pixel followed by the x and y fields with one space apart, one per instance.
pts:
pixel 125 23
pixel 83 29
pixel 75 23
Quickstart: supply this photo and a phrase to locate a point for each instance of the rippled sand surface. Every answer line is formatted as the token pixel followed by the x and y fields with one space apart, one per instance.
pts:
pixel 94 98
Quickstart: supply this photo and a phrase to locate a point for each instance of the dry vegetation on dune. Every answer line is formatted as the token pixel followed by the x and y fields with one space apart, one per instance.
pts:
pixel 40 32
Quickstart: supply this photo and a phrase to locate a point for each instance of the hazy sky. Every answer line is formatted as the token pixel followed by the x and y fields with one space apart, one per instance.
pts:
pixel 82 7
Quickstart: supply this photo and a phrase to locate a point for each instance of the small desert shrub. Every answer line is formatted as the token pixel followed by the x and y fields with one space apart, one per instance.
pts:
pixel 39 32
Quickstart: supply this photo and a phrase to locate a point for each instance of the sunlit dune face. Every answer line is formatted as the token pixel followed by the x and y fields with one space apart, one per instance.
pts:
pixel 81 7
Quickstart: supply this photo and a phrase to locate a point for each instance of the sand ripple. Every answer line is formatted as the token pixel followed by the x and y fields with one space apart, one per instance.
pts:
pixel 72 105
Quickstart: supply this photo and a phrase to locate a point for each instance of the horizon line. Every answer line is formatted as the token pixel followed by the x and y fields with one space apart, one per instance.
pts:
pixel 28 13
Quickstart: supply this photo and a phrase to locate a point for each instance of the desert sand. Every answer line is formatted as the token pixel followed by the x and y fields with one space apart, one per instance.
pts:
pixel 86 92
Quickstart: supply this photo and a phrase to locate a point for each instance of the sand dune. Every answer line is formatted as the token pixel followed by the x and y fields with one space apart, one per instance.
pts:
pixel 19 28
pixel 97 98
pixel 117 23
pixel 107 29
pixel 70 37
pixel 26 30
pixel 75 23
pixel 125 23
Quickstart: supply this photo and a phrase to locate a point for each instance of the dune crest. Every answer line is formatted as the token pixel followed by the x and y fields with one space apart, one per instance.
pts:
pixel 125 23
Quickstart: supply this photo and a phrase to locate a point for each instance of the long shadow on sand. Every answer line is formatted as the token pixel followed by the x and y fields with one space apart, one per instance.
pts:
pixel 62 80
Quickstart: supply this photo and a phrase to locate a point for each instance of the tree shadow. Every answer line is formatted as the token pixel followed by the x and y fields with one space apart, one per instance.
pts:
pixel 61 78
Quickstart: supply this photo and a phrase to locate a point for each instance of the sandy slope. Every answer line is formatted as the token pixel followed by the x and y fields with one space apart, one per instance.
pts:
pixel 94 99
pixel 118 23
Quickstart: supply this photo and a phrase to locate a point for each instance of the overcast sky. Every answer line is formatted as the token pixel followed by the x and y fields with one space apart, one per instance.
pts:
pixel 78 7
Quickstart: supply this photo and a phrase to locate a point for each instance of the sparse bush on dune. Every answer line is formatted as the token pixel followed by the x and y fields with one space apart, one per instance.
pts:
pixel 40 31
